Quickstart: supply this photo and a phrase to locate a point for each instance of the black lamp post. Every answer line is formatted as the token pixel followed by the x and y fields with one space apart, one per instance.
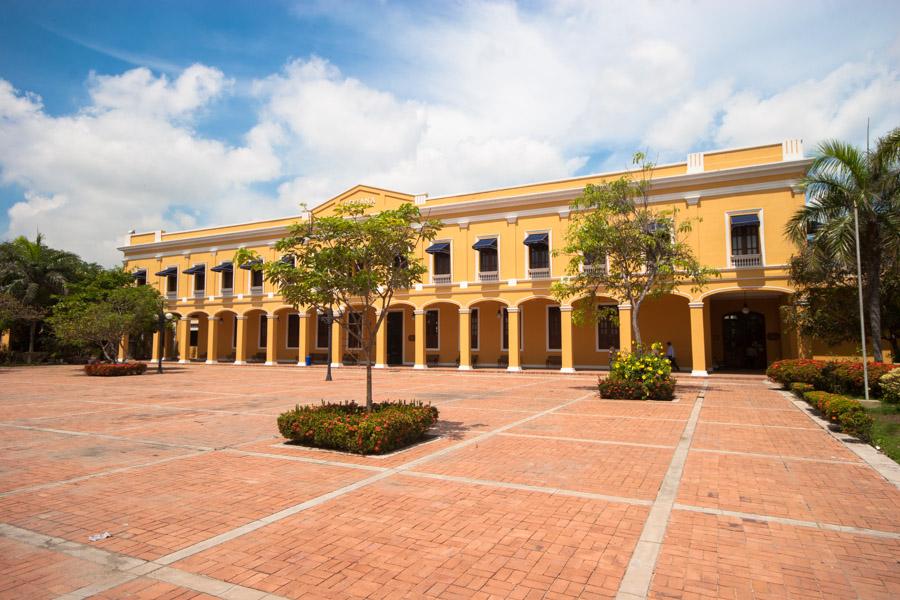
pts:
pixel 164 317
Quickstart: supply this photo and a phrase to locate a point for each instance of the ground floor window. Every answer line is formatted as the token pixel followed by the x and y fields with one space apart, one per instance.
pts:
pixel 504 329
pixel 293 331
pixel 263 331
pixel 432 330
pixel 607 331
pixel 195 332
pixel 322 331
pixel 354 330
pixel 473 328
pixel 554 328
pixel 234 333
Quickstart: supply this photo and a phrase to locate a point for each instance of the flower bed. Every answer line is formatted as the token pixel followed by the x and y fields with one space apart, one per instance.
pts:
pixel 846 412
pixel 839 377
pixel 890 387
pixel 349 427
pixel 115 370
pixel 639 376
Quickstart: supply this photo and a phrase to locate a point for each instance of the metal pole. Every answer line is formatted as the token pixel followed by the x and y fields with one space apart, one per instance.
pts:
pixel 330 321
pixel 862 320
pixel 160 346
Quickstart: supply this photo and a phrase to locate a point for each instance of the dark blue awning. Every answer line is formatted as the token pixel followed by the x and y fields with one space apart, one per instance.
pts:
pixel 289 259
pixel 139 274
pixel 485 244
pixel 247 266
pixel 168 272
pixel 738 220
pixel 195 270
pixel 537 239
pixel 438 248
pixel 225 267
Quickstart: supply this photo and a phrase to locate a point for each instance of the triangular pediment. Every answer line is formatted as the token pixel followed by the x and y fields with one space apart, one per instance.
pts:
pixel 379 198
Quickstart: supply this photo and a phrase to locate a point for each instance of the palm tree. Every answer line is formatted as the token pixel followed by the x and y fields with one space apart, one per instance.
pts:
pixel 33 273
pixel 843 177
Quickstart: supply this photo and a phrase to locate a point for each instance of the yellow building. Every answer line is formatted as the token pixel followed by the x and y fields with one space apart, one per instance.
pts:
pixel 486 299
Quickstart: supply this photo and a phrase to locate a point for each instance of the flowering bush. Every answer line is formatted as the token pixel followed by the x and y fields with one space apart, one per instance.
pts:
pixel 639 376
pixel 843 411
pixel 114 370
pixel 846 377
pixel 349 427
pixel 798 389
pixel 799 370
pixel 890 387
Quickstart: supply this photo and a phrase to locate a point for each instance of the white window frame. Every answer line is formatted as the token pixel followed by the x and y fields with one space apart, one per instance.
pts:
pixel 762 234
pixel 438 311
pixel 597 347
pixel 431 259
pixel 224 291
pixel 477 329
pixel 262 288
pixel 259 333
pixel 521 323
pixel 166 292
pixel 287 331
pixel 527 257
pixel 495 236
pixel 547 328
pixel 194 290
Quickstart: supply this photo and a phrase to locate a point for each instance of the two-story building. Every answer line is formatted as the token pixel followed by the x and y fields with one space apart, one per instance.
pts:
pixel 486 299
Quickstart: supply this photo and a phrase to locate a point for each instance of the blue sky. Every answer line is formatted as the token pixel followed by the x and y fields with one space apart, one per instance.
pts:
pixel 147 115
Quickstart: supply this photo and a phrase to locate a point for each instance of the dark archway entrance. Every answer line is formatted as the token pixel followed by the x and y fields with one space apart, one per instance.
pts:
pixel 744 340
pixel 394 324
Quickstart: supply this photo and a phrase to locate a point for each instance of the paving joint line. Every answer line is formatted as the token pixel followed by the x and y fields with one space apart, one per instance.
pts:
pixel 108 437
pixel 586 440
pixel 635 584
pixel 834 461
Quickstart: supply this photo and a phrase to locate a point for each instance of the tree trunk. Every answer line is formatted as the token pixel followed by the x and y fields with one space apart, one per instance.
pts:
pixel 330 314
pixel 635 328
pixel 873 300
pixel 32 328
pixel 368 385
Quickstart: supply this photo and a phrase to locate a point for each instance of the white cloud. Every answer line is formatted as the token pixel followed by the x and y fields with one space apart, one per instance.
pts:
pixel 489 94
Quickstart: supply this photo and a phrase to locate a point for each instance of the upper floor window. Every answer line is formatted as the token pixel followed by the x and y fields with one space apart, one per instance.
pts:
pixel 171 275
pixel 591 263
pixel 488 263
pixel 538 255
pixel 440 260
pixel 256 276
pixel 199 274
pixel 745 241
pixel 289 259
pixel 140 277
pixel 226 270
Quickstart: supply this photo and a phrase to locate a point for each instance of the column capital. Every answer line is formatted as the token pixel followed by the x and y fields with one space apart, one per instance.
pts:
pixel 565 308
pixel 625 306
pixel 240 317
pixel 213 318
pixel 512 309
pixel 696 304
pixel 272 316
pixel 465 311
pixel 419 311
pixel 303 315
pixel 185 319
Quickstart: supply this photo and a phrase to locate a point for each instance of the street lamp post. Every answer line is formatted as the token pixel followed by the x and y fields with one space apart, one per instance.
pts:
pixel 163 319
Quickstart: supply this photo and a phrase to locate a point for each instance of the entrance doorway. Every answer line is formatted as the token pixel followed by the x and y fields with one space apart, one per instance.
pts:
pixel 395 338
pixel 744 340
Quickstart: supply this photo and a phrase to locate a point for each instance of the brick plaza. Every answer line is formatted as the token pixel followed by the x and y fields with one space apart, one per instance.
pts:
pixel 532 488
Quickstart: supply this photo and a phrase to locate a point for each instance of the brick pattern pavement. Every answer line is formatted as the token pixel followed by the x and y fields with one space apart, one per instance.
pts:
pixel 535 488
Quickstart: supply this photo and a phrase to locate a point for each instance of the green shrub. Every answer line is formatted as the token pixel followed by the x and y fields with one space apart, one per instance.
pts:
pixel 639 376
pixel 857 423
pixel 797 370
pixel 846 412
pixel 621 390
pixel 349 427
pixel 846 377
pixel 798 389
pixel 890 387
pixel 115 370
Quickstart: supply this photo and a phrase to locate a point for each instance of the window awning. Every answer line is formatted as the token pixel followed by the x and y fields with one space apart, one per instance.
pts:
pixel 485 244
pixel 439 248
pixel 537 239
pixel 739 220
pixel 249 265
pixel 139 274
pixel 289 259
pixel 195 270
pixel 168 272
pixel 225 267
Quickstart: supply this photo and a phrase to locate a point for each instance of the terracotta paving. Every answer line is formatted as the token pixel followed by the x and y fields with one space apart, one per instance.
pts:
pixel 530 487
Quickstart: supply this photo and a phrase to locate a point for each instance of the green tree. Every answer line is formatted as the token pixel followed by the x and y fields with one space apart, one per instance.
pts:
pixel 352 262
pixel 841 178
pixel 101 310
pixel 35 274
pixel 622 247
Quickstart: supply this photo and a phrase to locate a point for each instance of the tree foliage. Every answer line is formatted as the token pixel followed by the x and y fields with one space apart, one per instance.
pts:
pixel 623 248
pixel 101 310
pixel 841 178
pixel 352 262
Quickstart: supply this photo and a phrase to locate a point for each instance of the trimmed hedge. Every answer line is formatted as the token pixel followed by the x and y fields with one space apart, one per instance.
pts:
pixel 890 387
pixel 348 427
pixel 798 389
pixel 846 412
pixel 839 377
pixel 115 370
pixel 621 389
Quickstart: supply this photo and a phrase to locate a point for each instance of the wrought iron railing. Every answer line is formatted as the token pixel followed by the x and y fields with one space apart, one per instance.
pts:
pixel 488 276
pixel 742 261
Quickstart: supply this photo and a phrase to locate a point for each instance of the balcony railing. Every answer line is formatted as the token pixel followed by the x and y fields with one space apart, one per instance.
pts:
pixel 226 292
pixel 489 276
pixel 256 290
pixel 543 273
pixel 199 293
pixel 441 278
pixel 743 261
pixel 172 295
pixel 595 269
